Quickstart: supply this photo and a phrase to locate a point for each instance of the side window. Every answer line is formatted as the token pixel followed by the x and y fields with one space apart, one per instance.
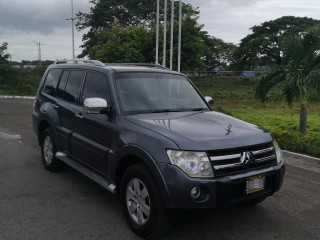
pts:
pixel 51 81
pixel 95 86
pixel 72 90
pixel 62 84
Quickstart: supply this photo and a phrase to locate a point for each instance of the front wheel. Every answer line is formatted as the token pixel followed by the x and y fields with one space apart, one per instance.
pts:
pixel 141 202
pixel 48 151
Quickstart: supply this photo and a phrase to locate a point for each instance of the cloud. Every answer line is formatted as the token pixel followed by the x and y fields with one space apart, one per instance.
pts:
pixel 23 22
pixel 231 20
pixel 38 16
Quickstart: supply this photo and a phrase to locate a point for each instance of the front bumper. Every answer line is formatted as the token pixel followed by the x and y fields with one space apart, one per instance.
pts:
pixel 218 191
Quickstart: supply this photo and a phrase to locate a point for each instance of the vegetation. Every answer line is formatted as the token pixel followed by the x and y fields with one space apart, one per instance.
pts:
pixel 264 45
pixel 235 97
pixel 122 32
pixel 300 70
pixel 4 63
pixel 23 82
pixel 126 13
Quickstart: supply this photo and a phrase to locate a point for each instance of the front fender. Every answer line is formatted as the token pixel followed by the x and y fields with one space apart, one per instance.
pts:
pixel 137 152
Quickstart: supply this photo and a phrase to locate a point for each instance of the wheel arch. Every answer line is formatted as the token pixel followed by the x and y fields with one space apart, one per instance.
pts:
pixel 44 124
pixel 134 154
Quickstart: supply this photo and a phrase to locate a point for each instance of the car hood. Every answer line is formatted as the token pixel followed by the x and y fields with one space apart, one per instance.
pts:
pixel 206 130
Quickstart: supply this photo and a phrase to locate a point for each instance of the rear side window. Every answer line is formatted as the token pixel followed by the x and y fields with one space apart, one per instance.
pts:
pixel 51 81
pixel 72 89
pixel 62 84
pixel 95 86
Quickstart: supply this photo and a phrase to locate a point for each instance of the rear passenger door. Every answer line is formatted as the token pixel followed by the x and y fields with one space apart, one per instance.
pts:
pixel 67 103
pixel 90 143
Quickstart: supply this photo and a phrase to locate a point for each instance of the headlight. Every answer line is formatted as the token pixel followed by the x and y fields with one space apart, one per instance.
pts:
pixel 279 154
pixel 195 164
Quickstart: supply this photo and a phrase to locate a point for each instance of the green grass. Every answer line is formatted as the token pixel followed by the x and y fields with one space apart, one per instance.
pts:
pixel 236 97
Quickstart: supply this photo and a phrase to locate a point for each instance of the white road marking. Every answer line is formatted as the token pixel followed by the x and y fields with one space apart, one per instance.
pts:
pixel 19 97
pixel 9 136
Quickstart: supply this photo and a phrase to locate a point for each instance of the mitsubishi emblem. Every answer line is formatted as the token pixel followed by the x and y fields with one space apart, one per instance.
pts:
pixel 247 158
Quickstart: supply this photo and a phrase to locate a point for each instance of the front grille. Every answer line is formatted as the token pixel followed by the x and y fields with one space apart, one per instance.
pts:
pixel 237 160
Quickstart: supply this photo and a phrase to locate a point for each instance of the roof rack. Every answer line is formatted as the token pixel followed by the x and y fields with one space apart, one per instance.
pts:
pixel 139 64
pixel 76 61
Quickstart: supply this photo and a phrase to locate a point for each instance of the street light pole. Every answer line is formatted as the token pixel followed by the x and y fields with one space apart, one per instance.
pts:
pixel 72 21
pixel 165 33
pixel 157 32
pixel 179 41
pixel 171 36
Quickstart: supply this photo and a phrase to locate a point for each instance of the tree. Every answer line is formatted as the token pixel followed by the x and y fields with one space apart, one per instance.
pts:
pixel 105 13
pixel 123 44
pixel 300 70
pixel 263 46
pixel 192 44
pixel 4 63
pixel 217 52
pixel 137 44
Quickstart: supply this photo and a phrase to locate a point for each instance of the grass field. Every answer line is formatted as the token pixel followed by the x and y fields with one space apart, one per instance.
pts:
pixel 236 98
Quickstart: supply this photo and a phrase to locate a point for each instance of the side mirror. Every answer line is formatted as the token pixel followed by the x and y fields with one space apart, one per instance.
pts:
pixel 95 105
pixel 209 100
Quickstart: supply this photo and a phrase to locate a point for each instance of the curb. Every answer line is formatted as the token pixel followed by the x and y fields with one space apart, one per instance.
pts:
pixel 305 157
pixel 18 97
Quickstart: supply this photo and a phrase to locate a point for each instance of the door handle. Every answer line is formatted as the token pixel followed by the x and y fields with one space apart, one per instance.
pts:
pixel 79 115
pixel 55 106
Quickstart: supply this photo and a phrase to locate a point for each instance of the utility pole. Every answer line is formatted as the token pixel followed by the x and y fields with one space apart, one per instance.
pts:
pixel 39 52
pixel 72 22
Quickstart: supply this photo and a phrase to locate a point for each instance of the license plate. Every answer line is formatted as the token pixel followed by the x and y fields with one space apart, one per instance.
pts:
pixel 255 184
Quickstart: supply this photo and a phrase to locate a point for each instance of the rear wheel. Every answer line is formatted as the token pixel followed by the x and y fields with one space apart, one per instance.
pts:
pixel 48 151
pixel 141 202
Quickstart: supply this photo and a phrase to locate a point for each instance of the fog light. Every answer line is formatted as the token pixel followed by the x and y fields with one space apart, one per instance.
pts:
pixel 195 192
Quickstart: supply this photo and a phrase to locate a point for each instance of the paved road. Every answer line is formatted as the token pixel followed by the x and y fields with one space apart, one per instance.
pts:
pixel 36 204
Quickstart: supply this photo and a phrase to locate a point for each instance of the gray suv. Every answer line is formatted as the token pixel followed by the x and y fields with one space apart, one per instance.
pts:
pixel 146 133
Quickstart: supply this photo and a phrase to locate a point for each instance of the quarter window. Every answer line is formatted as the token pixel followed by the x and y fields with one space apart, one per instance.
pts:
pixel 62 84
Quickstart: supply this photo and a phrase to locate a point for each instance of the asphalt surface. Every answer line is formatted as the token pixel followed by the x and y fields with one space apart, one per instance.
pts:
pixel 36 204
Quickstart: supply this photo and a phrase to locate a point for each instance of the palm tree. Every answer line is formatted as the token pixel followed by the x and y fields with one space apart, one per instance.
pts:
pixel 300 71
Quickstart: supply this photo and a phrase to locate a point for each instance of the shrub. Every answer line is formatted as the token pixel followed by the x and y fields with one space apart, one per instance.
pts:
pixel 296 142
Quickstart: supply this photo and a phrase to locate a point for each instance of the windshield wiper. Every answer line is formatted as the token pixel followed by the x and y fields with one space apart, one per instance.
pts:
pixel 166 110
pixel 198 109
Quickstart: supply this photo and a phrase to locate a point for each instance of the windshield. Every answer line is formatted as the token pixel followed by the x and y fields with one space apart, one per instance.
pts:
pixel 157 92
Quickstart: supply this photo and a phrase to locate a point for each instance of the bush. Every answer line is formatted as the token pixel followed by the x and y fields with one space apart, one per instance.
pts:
pixel 296 142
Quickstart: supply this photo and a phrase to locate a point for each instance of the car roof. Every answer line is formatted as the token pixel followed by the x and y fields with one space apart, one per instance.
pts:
pixel 117 67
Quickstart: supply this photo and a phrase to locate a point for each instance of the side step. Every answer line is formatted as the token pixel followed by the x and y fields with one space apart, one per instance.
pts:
pixel 87 172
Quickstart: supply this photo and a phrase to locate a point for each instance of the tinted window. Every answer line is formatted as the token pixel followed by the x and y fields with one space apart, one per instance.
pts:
pixel 62 84
pixel 51 81
pixel 95 86
pixel 72 90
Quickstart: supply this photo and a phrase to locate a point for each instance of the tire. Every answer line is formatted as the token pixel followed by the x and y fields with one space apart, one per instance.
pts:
pixel 253 202
pixel 141 203
pixel 48 152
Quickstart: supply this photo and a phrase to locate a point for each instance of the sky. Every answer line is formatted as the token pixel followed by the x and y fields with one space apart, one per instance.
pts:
pixel 26 23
